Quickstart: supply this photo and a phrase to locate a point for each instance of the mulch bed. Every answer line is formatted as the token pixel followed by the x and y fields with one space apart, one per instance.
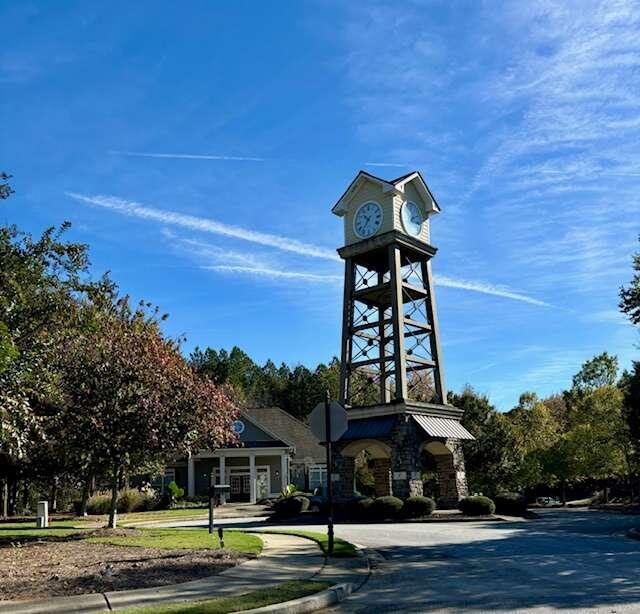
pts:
pixel 39 569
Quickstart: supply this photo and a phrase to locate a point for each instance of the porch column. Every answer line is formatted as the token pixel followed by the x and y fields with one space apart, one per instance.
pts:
pixel 252 478
pixel 191 477
pixel 284 470
pixel 223 480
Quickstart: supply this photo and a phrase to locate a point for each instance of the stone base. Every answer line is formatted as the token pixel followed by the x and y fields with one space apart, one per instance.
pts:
pixel 397 463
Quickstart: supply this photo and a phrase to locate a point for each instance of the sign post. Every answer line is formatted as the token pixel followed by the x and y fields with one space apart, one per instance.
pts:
pixel 328 422
pixel 327 426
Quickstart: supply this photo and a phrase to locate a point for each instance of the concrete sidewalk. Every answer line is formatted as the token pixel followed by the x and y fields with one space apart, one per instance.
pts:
pixel 283 558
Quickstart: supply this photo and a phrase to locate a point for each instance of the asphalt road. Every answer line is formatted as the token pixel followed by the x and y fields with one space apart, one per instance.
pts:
pixel 568 561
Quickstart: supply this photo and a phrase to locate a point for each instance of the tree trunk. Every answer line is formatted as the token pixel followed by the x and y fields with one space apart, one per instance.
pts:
pixel 113 508
pixel 606 492
pixel 563 492
pixel 13 495
pixel 5 497
pixel 85 495
pixel 54 495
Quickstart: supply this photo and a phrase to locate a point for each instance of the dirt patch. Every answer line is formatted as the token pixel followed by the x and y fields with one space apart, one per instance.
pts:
pixel 47 569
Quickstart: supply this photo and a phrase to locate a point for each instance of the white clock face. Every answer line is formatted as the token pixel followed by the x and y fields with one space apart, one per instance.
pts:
pixel 367 220
pixel 411 218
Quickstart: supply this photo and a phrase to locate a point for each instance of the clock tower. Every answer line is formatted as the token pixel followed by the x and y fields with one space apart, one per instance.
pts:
pixel 392 377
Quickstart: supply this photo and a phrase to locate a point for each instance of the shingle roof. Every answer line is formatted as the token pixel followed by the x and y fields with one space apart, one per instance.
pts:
pixel 285 426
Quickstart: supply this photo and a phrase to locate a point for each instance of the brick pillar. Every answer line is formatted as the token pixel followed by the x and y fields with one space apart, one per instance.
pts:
pixel 451 475
pixel 381 469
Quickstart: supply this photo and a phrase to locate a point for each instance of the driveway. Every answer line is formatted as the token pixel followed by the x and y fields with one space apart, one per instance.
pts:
pixel 569 561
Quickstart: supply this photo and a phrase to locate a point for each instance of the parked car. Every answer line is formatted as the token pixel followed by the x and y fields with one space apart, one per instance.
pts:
pixel 548 501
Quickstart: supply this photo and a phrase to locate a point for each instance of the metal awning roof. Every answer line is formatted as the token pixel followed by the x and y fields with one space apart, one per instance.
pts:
pixel 369 428
pixel 446 428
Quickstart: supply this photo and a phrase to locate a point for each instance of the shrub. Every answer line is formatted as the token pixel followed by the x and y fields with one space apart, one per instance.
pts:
pixel 416 507
pixel 477 506
pixel 511 504
pixel 130 500
pixel 386 507
pixel 99 504
pixel 174 492
pixel 149 501
pixel 360 509
pixel 290 506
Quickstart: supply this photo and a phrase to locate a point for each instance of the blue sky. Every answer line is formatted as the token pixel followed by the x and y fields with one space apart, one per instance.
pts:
pixel 199 146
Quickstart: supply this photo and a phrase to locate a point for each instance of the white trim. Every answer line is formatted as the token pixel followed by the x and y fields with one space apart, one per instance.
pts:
pixel 355 217
pixel 235 452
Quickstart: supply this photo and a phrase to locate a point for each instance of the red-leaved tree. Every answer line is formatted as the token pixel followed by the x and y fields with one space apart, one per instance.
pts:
pixel 132 402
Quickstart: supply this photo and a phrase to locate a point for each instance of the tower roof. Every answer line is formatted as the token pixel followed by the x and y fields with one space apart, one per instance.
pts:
pixel 391 185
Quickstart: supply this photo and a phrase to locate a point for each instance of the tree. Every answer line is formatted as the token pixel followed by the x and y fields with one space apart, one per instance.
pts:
pixel 486 460
pixel 534 431
pixel 133 400
pixel 598 436
pixel 630 295
pixel 630 387
pixel 5 188
pixel 601 370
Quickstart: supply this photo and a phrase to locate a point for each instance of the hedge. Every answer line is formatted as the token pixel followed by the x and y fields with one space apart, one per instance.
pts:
pixel 417 507
pixel 511 504
pixel 386 507
pixel 290 506
pixel 477 506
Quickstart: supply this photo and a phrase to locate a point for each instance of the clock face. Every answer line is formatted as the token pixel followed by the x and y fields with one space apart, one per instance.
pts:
pixel 411 218
pixel 367 220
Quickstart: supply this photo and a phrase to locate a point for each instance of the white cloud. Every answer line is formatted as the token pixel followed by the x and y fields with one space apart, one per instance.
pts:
pixel 392 164
pixel 208 225
pixel 147 154
pixel 275 273
pixel 486 288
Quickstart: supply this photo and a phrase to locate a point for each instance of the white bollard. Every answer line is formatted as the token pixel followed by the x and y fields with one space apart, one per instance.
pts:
pixel 42 521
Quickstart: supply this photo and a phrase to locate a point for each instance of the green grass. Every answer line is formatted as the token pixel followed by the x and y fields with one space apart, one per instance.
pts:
pixel 181 539
pixel 16 531
pixel 341 547
pixel 255 599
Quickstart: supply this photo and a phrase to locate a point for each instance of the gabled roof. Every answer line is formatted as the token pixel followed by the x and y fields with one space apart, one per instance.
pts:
pixel 245 414
pixel 287 427
pixel 393 185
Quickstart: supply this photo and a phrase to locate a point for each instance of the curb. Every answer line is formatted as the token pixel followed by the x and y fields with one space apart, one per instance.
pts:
pixel 330 596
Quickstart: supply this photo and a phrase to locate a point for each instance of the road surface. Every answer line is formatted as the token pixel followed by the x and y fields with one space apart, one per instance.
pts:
pixel 568 561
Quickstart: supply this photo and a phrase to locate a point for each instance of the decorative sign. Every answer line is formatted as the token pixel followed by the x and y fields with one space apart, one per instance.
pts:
pixel 238 427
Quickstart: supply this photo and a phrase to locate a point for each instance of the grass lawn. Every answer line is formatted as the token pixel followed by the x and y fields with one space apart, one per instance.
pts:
pixel 181 539
pixel 12 531
pixel 186 512
pixel 341 547
pixel 255 599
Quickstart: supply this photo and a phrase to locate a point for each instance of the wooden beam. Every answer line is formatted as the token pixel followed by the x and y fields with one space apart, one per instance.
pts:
pixel 347 321
pixel 434 338
pixel 397 316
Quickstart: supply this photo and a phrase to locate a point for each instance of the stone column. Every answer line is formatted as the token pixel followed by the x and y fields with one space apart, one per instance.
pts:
pixel 405 459
pixel 191 477
pixel 381 469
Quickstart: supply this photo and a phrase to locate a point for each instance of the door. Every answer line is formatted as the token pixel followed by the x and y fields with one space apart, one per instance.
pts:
pixel 240 487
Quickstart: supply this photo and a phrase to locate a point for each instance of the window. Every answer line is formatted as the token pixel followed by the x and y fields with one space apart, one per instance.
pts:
pixel 317 477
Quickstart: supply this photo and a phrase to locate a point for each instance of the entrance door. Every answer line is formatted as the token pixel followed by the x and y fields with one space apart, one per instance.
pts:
pixel 240 487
